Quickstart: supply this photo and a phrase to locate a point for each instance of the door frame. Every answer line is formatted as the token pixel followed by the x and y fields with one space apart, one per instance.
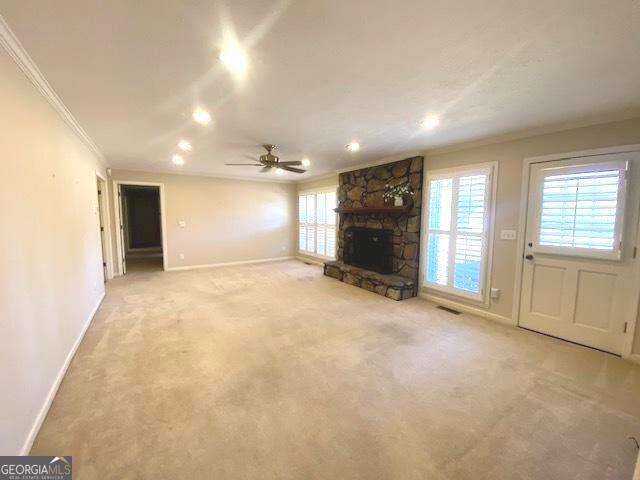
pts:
pixel 522 224
pixel 103 212
pixel 117 213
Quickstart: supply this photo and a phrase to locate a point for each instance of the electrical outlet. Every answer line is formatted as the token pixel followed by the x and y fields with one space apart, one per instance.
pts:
pixel 495 293
pixel 508 235
pixel 182 256
pixel 182 223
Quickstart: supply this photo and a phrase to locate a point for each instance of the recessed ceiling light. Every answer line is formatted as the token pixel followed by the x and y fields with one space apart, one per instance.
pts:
pixel 201 116
pixel 233 58
pixel 353 147
pixel 279 171
pixel 306 162
pixel 177 160
pixel 184 145
pixel 431 121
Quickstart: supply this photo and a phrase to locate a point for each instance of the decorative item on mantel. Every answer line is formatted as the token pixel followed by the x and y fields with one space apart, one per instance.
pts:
pixel 400 195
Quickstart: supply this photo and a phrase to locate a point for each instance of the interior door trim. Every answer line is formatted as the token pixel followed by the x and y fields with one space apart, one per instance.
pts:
pixel 522 223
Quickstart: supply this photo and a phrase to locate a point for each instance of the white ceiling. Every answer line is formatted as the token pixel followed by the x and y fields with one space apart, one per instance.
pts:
pixel 323 73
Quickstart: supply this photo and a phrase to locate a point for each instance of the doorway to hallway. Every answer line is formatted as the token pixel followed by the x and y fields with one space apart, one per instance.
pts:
pixel 141 244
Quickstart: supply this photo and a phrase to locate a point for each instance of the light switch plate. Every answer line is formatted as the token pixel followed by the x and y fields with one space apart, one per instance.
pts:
pixel 181 223
pixel 508 235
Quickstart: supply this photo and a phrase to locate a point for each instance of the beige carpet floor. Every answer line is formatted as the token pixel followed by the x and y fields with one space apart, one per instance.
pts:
pixel 273 371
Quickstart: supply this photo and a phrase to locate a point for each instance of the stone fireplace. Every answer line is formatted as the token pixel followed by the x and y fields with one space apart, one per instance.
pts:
pixel 379 244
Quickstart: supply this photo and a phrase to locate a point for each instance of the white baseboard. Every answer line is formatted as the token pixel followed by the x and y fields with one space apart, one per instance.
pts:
pixel 467 308
pixel 42 414
pixel 229 264
pixel 310 260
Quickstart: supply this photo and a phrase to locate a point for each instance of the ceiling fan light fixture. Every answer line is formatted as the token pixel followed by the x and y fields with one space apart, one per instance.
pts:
pixel 306 162
pixel 201 116
pixel 279 171
pixel 177 160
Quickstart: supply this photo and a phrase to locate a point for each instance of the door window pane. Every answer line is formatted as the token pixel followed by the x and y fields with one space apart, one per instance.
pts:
pixel 579 210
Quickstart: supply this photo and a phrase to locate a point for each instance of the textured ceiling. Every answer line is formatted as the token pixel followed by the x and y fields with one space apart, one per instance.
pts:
pixel 323 73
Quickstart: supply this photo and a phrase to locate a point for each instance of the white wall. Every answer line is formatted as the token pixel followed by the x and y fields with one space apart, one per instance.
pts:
pixel 226 220
pixel 50 258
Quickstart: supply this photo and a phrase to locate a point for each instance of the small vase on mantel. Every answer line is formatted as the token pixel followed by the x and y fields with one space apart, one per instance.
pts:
pixel 397 201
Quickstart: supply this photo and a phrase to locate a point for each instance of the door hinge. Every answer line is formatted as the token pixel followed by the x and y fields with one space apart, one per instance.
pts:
pixel 102 229
pixel 635 251
pixel 104 264
pixel 120 227
pixel 625 327
pixel 99 192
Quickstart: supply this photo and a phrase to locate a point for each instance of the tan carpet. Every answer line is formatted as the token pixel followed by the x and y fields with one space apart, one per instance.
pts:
pixel 273 371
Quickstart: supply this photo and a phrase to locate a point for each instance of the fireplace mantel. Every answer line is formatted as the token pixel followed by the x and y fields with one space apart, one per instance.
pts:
pixel 374 210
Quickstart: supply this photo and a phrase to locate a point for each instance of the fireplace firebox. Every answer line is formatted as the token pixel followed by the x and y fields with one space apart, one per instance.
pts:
pixel 369 248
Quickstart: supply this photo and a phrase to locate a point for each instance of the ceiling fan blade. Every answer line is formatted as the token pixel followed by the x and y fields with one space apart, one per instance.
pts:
pixel 265 169
pixel 255 159
pixel 245 164
pixel 295 170
pixel 297 162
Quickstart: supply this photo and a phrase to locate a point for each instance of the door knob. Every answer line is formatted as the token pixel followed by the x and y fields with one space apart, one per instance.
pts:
pixel 529 257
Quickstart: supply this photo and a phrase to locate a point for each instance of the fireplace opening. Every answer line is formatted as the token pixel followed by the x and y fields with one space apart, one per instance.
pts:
pixel 369 248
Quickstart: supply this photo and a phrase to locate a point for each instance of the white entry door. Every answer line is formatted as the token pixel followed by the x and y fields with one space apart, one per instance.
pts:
pixel 579 276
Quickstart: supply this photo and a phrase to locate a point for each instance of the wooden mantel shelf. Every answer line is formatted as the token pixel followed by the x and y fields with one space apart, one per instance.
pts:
pixel 374 210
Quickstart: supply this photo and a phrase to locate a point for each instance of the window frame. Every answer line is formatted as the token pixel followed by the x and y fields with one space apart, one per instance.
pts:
pixel 315 192
pixel 580 252
pixel 490 169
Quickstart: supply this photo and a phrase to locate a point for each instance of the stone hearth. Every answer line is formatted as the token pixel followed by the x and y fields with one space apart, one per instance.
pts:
pixel 364 188
pixel 396 287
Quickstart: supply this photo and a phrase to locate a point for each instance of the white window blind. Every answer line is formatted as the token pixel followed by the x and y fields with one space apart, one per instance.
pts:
pixel 317 223
pixel 580 209
pixel 457 231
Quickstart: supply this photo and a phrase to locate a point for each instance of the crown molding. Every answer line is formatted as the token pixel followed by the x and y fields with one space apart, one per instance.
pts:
pixel 18 53
pixel 118 171
pixel 524 134
pixel 381 161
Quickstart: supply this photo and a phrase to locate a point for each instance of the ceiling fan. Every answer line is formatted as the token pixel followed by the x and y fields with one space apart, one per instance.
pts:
pixel 269 161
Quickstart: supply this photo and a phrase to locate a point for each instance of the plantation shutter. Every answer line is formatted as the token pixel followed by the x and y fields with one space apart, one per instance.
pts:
pixel 457 231
pixel 302 222
pixel 580 209
pixel 317 223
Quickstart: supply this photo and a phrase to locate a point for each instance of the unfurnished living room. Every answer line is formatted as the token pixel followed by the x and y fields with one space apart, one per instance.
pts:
pixel 320 239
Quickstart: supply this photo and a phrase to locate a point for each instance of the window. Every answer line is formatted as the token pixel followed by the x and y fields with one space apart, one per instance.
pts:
pixel 580 209
pixel 317 223
pixel 457 231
